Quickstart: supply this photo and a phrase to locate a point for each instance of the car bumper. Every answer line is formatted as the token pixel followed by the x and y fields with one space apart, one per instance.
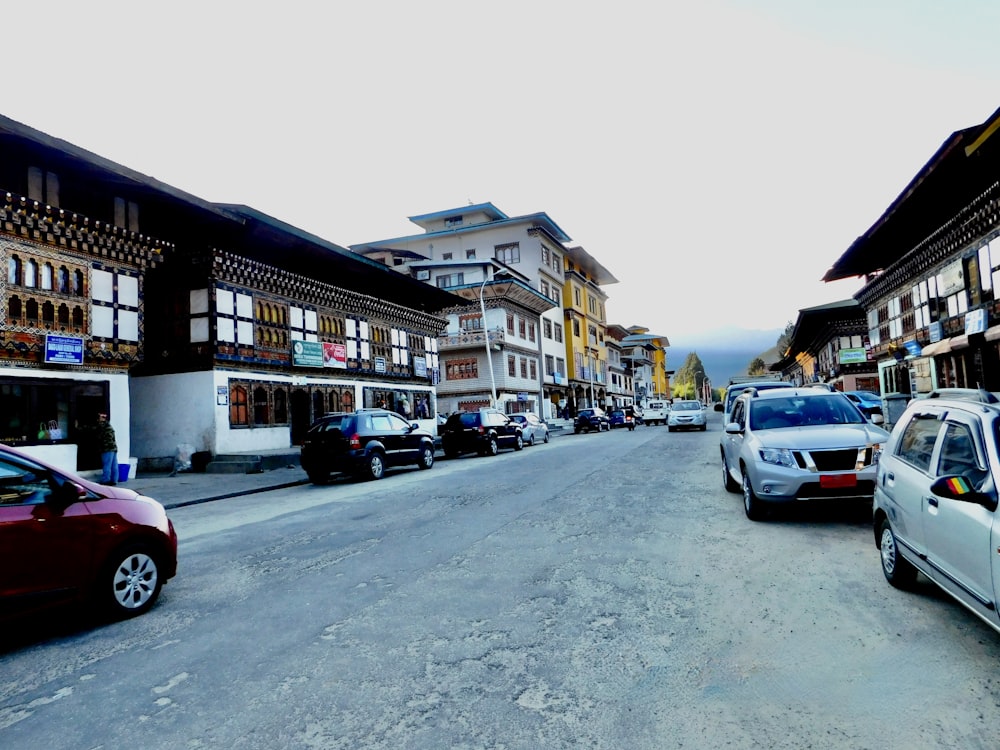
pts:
pixel 781 484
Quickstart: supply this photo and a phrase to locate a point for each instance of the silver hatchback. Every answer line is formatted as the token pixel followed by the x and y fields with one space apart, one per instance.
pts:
pixel 796 444
pixel 935 508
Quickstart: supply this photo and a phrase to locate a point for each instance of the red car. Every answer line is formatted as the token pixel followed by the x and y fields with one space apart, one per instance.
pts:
pixel 65 539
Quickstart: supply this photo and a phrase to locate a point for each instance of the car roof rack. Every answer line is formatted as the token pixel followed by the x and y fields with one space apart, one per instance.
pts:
pixel 981 395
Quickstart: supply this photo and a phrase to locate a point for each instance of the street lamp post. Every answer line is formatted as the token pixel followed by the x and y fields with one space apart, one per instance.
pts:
pixel 486 334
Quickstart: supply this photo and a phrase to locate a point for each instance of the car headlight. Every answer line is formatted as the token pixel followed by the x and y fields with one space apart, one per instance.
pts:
pixel 778 456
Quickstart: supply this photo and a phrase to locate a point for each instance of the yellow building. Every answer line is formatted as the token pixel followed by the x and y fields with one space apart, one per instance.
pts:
pixel 585 314
pixel 647 353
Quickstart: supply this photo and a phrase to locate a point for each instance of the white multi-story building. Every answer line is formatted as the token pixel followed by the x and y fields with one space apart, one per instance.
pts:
pixel 456 251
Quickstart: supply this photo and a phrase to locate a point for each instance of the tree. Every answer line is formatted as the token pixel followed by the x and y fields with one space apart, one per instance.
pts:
pixel 690 377
pixel 756 367
pixel 785 339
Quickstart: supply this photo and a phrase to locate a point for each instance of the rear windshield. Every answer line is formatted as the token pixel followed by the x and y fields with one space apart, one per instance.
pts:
pixel 342 422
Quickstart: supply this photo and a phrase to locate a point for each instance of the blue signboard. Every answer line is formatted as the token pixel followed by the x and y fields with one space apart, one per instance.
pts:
pixel 63 350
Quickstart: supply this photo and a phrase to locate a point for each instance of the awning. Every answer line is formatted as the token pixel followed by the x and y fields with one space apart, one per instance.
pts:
pixel 992 334
pixel 938 347
pixel 959 342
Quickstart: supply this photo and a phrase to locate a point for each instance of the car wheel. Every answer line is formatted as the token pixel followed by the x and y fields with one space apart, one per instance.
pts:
pixel 670 429
pixel 318 477
pixel 375 468
pixel 897 570
pixel 519 443
pixel 731 484
pixel 704 427
pixel 492 448
pixel 752 504
pixel 131 582
pixel 531 439
pixel 426 457
pixel 546 438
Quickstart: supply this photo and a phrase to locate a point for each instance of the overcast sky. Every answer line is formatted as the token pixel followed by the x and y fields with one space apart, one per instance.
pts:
pixel 716 156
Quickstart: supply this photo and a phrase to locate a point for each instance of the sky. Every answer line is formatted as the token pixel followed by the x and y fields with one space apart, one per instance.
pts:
pixel 717 156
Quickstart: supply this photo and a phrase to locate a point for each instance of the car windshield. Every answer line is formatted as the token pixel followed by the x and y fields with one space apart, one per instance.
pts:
pixel 686 406
pixel 330 423
pixel 799 411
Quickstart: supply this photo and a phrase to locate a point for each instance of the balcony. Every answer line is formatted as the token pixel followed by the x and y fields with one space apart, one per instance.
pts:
pixel 472 338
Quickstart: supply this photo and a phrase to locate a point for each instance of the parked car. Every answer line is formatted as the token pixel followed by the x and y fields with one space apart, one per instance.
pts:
pixel 687 415
pixel 364 443
pixel 655 412
pixel 621 418
pixel 65 539
pixel 786 445
pixel 591 419
pixel 533 429
pixel 869 403
pixel 935 508
pixel 485 432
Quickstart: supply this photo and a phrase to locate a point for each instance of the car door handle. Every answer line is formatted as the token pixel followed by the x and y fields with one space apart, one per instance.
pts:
pixel 932 501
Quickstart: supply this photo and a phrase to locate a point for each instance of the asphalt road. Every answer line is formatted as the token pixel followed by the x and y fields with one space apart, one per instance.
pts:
pixel 601 591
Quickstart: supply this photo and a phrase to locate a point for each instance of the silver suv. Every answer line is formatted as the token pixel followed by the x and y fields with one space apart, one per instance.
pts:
pixel 793 444
pixel 935 507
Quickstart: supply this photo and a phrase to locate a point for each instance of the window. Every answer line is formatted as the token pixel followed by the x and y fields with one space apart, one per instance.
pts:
pixel 549 364
pixel 509 253
pixel 470 322
pixel 577 297
pixel 260 406
pixel 556 263
pixel 445 256
pixel 238 414
pixel 547 328
pixel 450 280
pixel 453 221
pixel 470 254
pixel 524 367
pixel 917 442
pixel 531 331
pixel 958 455
pixel 557 330
pixel 461 369
pixel 557 297
pixel 510 323
pixel 521 327
pixel 576 328
pixel 511 365
pixel 546 257
pixel 543 287
pixel 561 366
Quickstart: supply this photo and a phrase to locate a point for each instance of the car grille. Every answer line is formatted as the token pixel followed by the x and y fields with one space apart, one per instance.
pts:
pixel 812 491
pixel 843 459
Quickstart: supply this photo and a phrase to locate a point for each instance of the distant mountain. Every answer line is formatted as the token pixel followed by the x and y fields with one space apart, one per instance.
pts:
pixel 726 352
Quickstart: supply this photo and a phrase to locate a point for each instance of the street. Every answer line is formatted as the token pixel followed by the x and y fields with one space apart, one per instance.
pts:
pixel 600 591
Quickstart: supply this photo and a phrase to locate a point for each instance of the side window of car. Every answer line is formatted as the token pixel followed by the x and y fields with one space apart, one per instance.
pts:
pixel 23 485
pixel 382 423
pixel 737 413
pixel 397 422
pixel 959 456
pixel 916 444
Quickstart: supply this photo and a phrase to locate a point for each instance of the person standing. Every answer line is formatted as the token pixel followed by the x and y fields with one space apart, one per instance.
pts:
pixel 104 436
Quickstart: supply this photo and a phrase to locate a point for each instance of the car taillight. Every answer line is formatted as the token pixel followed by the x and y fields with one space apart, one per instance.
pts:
pixel 355 441
pixel 481 429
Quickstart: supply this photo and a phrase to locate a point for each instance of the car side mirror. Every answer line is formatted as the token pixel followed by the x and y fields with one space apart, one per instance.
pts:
pixel 877 419
pixel 414 426
pixel 957 487
pixel 68 493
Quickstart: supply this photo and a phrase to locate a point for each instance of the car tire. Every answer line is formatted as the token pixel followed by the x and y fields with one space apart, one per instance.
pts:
pixel 426 457
pixel 897 570
pixel 546 438
pixel 519 442
pixel 374 466
pixel 704 427
pixel 670 429
pixel 491 447
pixel 728 482
pixel 531 439
pixel 753 506
pixel 130 582
pixel 318 477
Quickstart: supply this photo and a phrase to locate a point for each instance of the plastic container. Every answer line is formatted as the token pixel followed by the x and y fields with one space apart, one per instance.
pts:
pixel 123 470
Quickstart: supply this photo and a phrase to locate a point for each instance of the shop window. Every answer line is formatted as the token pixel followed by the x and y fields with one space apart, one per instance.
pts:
pixel 280 406
pixel 260 406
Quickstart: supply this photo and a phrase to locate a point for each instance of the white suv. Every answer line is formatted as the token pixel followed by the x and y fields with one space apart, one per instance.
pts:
pixel 935 507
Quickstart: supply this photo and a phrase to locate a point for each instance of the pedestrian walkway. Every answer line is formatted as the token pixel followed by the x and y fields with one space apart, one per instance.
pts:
pixel 190 488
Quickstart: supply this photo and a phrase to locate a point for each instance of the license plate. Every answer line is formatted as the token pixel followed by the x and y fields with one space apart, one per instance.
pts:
pixel 838 480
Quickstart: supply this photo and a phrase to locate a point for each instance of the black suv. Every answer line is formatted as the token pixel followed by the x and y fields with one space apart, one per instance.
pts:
pixel 591 419
pixel 364 443
pixel 484 432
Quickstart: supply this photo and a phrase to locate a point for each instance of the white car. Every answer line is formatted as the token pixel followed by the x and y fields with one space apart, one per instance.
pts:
pixel 655 412
pixel 686 415
pixel 799 444
pixel 533 429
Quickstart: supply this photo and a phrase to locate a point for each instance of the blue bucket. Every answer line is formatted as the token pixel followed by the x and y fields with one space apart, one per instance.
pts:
pixel 123 470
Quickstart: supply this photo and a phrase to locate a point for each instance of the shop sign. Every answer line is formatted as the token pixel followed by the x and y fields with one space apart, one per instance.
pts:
pixel 975 321
pixel 379 364
pixel 334 355
pixel 853 356
pixel 63 350
pixel 307 354
pixel 935 331
pixel 952 279
pixel 420 367
pixel 913 347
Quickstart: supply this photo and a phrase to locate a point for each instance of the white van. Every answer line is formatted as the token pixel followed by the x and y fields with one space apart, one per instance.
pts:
pixel 655 412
